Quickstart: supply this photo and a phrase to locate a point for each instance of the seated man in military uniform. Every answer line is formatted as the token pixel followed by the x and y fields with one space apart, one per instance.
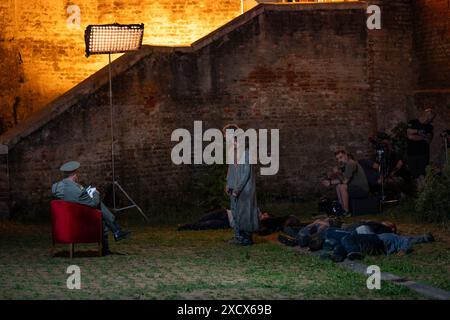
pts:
pixel 68 189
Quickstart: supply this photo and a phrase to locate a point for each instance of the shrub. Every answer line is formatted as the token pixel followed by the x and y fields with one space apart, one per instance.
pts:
pixel 433 201
pixel 210 188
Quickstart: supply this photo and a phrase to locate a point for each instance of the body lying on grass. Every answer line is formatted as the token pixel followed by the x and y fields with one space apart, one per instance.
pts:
pixel 314 234
pixel 223 219
pixel 355 240
pixel 340 244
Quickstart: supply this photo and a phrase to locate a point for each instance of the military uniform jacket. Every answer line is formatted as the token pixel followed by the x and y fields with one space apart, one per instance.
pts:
pixel 69 190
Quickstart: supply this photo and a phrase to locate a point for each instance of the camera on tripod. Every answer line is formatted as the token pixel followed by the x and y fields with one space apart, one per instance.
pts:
pixel 379 142
pixel 381 145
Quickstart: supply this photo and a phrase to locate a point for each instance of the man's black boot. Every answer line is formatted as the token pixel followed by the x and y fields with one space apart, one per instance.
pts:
pixel 337 257
pixel 120 235
pixel 105 242
pixel 105 246
pixel 106 251
pixel 355 256
pixel 429 237
pixel 247 239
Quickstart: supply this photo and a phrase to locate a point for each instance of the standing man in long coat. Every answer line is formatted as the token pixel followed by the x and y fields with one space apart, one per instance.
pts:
pixel 241 187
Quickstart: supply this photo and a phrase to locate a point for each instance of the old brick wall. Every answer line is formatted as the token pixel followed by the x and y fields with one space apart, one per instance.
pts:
pixel 304 72
pixel 4 183
pixel 392 63
pixel 42 57
pixel 432 44
pixel 299 75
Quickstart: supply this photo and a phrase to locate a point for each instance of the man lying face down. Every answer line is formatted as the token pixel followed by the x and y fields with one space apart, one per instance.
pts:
pixel 212 220
pixel 353 241
pixel 270 224
pixel 223 219
pixel 312 235
pixel 363 240
pixel 371 227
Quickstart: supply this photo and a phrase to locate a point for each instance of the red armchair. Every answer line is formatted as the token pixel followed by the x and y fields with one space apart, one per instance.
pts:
pixel 75 223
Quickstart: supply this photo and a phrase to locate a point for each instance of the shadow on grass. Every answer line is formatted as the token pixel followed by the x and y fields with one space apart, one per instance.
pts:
pixel 83 254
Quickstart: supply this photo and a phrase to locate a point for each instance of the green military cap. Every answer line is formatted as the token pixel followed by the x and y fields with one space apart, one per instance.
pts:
pixel 70 166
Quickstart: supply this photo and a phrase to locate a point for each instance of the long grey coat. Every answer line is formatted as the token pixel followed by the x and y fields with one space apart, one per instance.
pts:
pixel 241 179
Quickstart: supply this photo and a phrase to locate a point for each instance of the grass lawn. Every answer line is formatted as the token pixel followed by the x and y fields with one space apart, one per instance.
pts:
pixel 160 263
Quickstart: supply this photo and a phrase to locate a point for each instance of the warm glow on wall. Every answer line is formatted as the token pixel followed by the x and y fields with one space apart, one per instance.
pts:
pixel 44 65
pixel 44 49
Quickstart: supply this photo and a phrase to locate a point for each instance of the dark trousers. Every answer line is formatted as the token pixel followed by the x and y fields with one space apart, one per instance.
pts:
pixel 304 235
pixel 205 225
pixel 217 219
pixel 243 237
pixel 341 242
pixel 109 224
pixel 417 164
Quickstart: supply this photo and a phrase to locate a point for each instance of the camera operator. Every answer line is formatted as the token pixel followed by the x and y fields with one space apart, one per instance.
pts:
pixel 420 134
pixel 396 173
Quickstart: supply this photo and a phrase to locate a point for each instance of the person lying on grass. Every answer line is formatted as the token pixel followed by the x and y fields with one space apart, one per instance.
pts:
pixel 223 219
pixel 270 224
pixel 314 234
pixel 340 244
pixel 311 234
pixel 370 227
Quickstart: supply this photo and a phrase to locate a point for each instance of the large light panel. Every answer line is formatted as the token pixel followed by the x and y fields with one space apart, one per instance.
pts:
pixel 113 38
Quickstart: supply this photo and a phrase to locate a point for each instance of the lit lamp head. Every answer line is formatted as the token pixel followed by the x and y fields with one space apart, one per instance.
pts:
pixel 113 38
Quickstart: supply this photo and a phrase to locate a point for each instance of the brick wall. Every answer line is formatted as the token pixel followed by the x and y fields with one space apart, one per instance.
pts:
pixel 304 72
pixel 318 75
pixel 432 44
pixel 392 63
pixel 4 183
pixel 42 57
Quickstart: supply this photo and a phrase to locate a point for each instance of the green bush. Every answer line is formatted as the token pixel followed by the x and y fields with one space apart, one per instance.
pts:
pixel 433 201
pixel 210 188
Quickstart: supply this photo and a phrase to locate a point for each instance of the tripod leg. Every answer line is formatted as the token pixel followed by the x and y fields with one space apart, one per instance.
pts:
pixel 142 212
pixel 446 150
pixel 132 201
